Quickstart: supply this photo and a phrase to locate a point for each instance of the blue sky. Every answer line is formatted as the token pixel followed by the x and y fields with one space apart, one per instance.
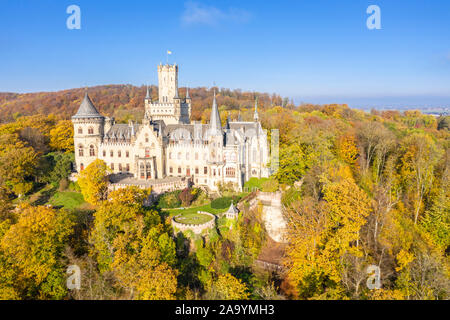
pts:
pixel 314 51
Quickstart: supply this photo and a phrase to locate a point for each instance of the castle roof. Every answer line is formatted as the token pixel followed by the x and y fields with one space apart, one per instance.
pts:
pixel 87 109
pixel 232 209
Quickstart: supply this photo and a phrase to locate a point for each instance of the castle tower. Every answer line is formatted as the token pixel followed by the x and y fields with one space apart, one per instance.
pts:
pixel 170 107
pixel 88 126
pixel 168 82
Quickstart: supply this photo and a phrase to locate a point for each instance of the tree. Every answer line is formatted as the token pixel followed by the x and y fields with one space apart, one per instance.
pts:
pixel 420 156
pixel 17 166
pixel 227 287
pixel 93 182
pixel 131 242
pixel 293 164
pixel 61 137
pixel 33 248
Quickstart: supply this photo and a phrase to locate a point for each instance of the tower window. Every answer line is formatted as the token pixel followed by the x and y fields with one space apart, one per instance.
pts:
pixel 111 153
pixel 80 150
pixel 146 137
pixel 179 169
pixel 127 154
pixel 119 153
pixel 104 153
pixel 91 130
pixel 91 151
pixel 80 131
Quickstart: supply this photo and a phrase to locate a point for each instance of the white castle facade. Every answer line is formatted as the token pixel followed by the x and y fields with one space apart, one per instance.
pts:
pixel 165 150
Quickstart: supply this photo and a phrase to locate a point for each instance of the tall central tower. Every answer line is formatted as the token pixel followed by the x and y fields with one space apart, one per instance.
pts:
pixel 168 82
pixel 170 107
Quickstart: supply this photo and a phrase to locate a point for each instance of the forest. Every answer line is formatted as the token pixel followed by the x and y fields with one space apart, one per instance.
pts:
pixel 358 189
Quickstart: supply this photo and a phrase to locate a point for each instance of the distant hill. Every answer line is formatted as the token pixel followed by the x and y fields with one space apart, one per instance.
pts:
pixel 121 101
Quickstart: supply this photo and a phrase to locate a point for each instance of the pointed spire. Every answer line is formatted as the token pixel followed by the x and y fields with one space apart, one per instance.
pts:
pixel 255 115
pixel 215 124
pixel 87 109
pixel 187 93
pixel 148 94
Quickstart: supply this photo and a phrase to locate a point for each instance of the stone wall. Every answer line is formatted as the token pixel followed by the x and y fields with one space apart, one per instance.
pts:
pixel 196 228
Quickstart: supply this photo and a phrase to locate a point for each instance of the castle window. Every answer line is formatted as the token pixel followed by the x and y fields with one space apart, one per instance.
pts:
pixel 170 155
pixel 171 170
pixel 80 150
pixel 128 167
pixel 141 167
pixel 119 153
pixel 196 156
pixel 120 167
pixel 104 153
pixel 205 170
pixel 147 152
pixel 214 172
pixel 179 169
pixel 196 170
pixel 81 167
pixel 112 166
pixel 146 137
pixel 188 171
pixel 91 151
pixel 230 172
pixel 127 154
pixel 111 153
pixel 80 131
pixel 149 170
pixel 90 130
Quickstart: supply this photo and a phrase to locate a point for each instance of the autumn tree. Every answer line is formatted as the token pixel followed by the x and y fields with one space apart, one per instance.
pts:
pixel 31 251
pixel 93 182
pixel 227 287
pixel 132 242
pixel 61 136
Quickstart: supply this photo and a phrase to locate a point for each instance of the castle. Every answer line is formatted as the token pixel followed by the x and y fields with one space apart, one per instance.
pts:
pixel 166 151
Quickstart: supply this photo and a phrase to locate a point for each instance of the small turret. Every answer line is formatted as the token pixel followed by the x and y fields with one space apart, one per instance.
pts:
pixel 255 115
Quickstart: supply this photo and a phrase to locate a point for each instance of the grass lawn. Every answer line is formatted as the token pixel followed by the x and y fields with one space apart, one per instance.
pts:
pixel 193 218
pixel 206 208
pixel 68 200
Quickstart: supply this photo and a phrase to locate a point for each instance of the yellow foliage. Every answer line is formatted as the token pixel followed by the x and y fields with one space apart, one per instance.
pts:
pixel 61 136
pixel 93 182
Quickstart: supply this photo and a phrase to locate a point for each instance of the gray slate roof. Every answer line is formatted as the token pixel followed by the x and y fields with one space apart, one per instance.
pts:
pixel 232 209
pixel 87 109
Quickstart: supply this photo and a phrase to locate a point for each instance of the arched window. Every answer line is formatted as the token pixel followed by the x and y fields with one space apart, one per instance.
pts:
pixel 80 150
pixel 91 151
pixel 80 130
pixel 149 170
pixel 147 152
pixel 111 153
pixel 90 130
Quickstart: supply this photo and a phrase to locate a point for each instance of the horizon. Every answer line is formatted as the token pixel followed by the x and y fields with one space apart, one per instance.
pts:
pixel 405 63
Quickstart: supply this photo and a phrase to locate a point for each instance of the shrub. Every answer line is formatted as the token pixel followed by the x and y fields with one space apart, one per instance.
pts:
pixel 170 200
pixel 186 197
